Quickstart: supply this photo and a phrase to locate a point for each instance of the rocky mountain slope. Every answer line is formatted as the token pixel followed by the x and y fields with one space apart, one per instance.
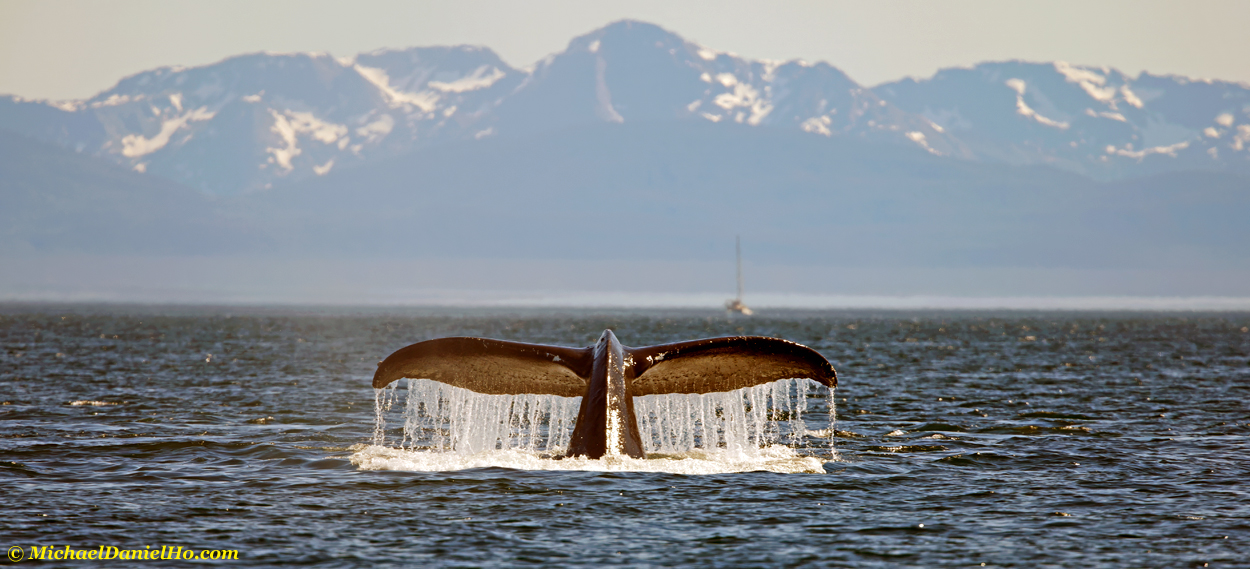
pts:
pixel 252 121
pixel 1096 121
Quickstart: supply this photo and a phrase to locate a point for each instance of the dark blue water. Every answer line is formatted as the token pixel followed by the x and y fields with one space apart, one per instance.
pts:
pixel 1009 439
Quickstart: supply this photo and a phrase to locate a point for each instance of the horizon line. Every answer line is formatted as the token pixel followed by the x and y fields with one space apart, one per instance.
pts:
pixel 644 301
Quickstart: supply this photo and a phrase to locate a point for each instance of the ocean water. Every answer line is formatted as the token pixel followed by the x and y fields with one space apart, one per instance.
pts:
pixel 1010 439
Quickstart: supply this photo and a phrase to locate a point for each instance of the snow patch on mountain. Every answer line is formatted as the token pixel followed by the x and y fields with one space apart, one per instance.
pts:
pixel 603 95
pixel 920 139
pixel 289 125
pixel 1130 97
pixel 425 100
pixel 136 145
pixel 743 96
pixel 1128 151
pixel 1023 109
pixel 1093 83
pixel 1159 133
pixel 115 100
pixel 324 168
pixel 1241 138
pixel 378 128
pixel 818 125
pixel 482 77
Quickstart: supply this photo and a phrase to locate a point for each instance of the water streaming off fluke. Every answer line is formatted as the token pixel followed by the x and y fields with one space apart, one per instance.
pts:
pixel 764 427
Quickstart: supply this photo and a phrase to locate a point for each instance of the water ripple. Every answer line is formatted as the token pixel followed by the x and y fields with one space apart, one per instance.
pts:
pixel 1021 439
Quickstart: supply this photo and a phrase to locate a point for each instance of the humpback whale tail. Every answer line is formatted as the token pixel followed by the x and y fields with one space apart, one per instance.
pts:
pixel 607 375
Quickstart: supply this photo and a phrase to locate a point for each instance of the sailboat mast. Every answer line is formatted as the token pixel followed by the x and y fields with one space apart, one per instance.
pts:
pixel 738 247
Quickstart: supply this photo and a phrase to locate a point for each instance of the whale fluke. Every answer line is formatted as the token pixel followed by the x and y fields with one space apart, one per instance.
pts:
pixel 493 367
pixel 725 364
pixel 607 375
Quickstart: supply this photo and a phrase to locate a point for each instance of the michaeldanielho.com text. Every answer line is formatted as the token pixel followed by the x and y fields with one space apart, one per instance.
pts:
pixel 109 552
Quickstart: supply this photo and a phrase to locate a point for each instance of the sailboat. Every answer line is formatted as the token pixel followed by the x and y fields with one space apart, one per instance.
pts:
pixel 735 304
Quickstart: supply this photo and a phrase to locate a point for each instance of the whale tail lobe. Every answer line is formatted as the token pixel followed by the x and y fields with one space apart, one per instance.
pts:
pixel 499 367
pixel 493 367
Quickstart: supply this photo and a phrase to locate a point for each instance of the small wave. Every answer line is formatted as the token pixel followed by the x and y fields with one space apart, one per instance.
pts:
pixel 92 403
pixel 824 434
pixel 1054 415
pixel 777 458
pixel 1036 430
pixel 907 448
pixel 940 427
pixel 974 459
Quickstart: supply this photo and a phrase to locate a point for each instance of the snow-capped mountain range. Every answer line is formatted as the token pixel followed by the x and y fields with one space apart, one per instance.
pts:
pixel 252 121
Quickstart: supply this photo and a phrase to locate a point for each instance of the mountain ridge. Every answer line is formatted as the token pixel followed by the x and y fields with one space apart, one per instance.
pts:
pixel 250 121
pixel 634 147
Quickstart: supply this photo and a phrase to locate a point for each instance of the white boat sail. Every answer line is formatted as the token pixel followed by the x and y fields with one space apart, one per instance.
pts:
pixel 735 304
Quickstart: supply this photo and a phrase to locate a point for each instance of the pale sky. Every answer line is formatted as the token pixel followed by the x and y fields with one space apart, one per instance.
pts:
pixel 69 49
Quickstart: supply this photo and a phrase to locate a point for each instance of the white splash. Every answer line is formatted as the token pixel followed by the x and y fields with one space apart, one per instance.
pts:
pixel 778 458
pixel 448 428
